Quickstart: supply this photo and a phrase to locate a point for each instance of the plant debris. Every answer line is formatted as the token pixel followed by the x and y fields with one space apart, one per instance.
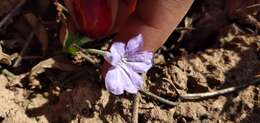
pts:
pixel 207 71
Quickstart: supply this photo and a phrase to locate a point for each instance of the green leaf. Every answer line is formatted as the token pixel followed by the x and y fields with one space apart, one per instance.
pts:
pixel 72 39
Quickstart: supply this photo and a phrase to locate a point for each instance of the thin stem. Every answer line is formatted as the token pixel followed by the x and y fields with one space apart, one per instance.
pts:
pixel 135 108
pixel 197 96
pixel 25 47
pixel 8 73
pixel 163 100
pixel 100 52
pixel 86 57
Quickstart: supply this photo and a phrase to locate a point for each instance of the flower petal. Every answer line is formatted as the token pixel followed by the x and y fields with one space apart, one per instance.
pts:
pixel 135 44
pixel 112 81
pixel 117 51
pixel 130 82
pixel 118 48
pixel 117 81
pixel 135 78
pixel 140 62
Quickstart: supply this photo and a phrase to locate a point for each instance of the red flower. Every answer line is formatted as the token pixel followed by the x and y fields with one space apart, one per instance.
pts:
pixel 94 17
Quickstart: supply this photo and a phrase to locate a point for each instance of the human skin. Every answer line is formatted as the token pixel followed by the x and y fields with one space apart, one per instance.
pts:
pixel 154 19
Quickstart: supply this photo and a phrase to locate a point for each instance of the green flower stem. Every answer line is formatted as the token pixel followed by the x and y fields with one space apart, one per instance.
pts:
pixel 100 52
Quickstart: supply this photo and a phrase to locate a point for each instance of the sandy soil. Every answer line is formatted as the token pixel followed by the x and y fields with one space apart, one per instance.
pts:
pixel 232 58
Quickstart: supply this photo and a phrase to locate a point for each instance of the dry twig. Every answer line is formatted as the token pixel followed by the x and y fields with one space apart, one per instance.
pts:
pixel 12 13
pixel 250 8
pixel 60 9
pixel 8 73
pixel 26 45
pixel 172 84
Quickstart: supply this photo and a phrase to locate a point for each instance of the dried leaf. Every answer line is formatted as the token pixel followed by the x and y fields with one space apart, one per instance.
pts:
pixel 5 58
pixel 58 62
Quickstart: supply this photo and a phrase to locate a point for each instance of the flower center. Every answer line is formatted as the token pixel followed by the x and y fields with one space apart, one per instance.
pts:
pixel 123 62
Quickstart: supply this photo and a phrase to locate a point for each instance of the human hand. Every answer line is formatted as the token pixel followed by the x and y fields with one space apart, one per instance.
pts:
pixel 155 20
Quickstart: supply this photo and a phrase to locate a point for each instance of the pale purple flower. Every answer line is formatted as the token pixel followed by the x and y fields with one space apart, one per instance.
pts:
pixel 128 62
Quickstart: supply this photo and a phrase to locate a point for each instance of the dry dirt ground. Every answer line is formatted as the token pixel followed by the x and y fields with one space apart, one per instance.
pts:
pixel 228 55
